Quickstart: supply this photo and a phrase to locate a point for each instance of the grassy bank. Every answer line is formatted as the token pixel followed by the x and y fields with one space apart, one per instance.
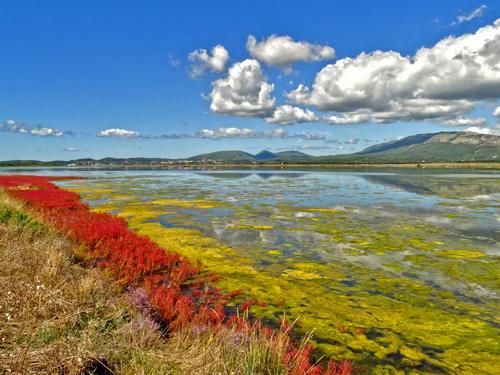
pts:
pixel 59 314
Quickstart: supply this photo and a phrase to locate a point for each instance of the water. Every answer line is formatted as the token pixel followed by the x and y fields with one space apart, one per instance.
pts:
pixel 395 269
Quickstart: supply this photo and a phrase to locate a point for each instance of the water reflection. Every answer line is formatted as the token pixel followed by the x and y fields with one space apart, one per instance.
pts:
pixel 240 175
pixel 445 185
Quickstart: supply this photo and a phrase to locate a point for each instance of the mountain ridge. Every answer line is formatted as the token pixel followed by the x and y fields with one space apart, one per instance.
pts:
pixel 444 147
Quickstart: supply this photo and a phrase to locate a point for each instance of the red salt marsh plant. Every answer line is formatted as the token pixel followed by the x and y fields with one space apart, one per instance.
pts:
pixel 178 291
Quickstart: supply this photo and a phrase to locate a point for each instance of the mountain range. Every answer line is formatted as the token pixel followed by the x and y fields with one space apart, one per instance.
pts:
pixel 451 147
pixel 420 148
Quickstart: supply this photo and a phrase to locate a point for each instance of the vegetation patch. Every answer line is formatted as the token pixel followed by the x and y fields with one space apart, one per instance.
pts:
pixel 178 292
pixel 461 254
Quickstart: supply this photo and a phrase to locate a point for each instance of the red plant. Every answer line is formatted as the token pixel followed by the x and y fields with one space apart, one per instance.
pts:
pixel 177 289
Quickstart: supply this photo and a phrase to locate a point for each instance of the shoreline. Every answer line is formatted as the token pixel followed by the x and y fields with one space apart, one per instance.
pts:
pixel 225 166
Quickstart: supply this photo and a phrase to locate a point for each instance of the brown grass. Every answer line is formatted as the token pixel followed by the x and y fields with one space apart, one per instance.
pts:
pixel 58 317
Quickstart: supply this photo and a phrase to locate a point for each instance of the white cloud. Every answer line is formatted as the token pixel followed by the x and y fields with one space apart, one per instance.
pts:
pixel 244 92
pixel 446 80
pixel 71 149
pixel 203 61
pixel 120 133
pixel 478 12
pixel 283 51
pixel 47 132
pixel 226 133
pixel 12 126
pixel 464 121
pixel 490 131
pixel 243 133
pixel 287 115
pixel 347 119
pixel 496 112
pixel 238 133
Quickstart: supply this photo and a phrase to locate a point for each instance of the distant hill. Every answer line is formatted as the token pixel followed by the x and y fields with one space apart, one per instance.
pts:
pixel 294 156
pixel 391 145
pixel 451 147
pixel 82 162
pixel 225 156
pixel 443 147
pixel 436 147
pixel 32 163
pixel 263 156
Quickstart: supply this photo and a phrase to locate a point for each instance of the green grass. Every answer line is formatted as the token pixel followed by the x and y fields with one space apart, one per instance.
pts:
pixel 11 216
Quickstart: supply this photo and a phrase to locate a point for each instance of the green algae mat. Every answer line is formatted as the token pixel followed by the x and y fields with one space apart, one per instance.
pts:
pixel 396 270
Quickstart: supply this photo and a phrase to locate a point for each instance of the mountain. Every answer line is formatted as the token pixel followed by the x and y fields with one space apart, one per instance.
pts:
pixel 225 156
pixel 445 147
pixel 391 145
pixel 294 156
pixel 265 155
pixel 262 157
pixel 435 147
pixel 451 147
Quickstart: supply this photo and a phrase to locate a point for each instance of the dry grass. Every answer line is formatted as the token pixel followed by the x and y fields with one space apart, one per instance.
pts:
pixel 58 317
pixel 55 316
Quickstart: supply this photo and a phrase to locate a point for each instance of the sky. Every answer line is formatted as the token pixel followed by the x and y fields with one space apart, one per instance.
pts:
pixel 179 78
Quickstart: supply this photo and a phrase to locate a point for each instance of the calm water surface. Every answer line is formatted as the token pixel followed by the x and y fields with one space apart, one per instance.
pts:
pixel 397 270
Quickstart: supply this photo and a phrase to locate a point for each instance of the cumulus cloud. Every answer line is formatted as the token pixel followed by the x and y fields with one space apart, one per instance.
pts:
pixel 283 51
pixel 287 115
pixel 464 121
pixel 244 92
pixel 443 81
pixel 356 118
pixel 202 61
pixel 496 112
pixel 480 130
pixel 12 126
pixel 119 133
pixel 478 12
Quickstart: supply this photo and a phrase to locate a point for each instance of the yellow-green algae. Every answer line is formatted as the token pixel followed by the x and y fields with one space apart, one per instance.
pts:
pixel 392 322
pixel 185 203
pixel 461 254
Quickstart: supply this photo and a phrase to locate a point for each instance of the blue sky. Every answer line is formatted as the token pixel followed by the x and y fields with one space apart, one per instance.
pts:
pixel 72 70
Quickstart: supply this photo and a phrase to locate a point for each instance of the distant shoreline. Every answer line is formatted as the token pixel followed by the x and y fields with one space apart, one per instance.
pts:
pixel 223 166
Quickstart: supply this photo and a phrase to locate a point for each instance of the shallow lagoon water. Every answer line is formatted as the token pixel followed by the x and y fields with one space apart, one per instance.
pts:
pixel 397 270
